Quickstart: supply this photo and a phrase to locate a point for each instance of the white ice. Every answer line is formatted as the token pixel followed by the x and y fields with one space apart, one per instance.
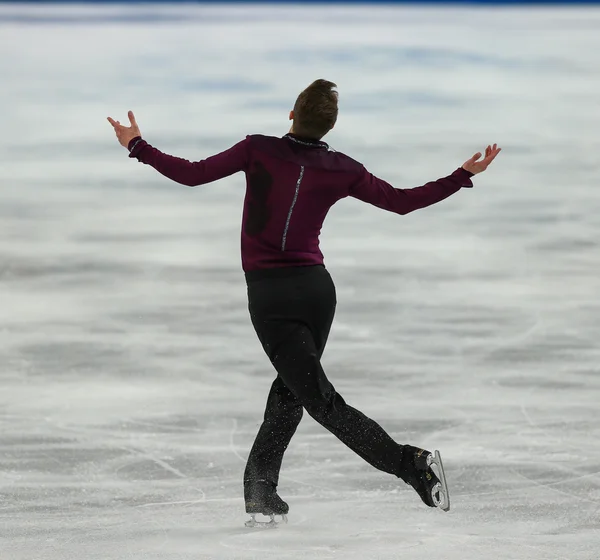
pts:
pixel 132 384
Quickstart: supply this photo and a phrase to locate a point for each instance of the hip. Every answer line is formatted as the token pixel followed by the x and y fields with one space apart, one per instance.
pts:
pixel 290 291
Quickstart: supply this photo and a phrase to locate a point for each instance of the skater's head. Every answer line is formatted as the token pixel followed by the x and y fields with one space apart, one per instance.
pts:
pixel 315 110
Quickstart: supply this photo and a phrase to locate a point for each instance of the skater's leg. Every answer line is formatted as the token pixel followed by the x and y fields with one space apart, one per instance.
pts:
pixel 298 365
pixel 282 416
pixel 297 362
pixel 283 412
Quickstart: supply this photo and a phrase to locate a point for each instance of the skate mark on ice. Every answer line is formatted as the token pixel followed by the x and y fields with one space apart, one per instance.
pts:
pixel 240 540
pixel 202 500
pixel 231 442
pixel 549 436
pixel 169 427
pixel 466 421
pixel 324 553
pixel 519 540
pixel 155 460
pixel 494 346
pixel 158 522
pixel 86 433
pixel 550 486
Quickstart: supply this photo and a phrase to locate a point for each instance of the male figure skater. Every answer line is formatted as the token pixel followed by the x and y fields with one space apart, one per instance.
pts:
pixel 291 183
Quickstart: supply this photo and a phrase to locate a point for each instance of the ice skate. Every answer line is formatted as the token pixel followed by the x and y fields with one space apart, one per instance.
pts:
pixel 262 499
pixel 424 471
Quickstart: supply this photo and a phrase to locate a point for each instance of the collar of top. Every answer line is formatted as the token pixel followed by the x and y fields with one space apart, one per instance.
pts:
pixel 308 142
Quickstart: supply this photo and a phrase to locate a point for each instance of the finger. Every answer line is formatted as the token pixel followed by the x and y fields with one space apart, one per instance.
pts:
pixel 476 157
pixel 492 157
pixel 117 127
pixel 131 118
pixel 112 121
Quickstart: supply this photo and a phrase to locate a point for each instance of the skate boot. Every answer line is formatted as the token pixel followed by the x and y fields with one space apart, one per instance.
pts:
pixel 261 498
pixel 418 472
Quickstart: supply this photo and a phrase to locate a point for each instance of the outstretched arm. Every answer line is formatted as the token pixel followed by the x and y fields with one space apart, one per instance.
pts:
pixel 378 192
pixel 178 169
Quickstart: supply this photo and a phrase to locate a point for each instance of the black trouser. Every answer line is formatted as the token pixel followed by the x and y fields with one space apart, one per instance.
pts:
pixel 292 312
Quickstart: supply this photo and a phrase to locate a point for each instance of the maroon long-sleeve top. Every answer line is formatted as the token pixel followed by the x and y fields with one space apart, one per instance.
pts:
pixel 291 183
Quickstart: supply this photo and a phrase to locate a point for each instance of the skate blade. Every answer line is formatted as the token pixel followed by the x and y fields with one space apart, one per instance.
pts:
pixel 441 489
pixel 265 524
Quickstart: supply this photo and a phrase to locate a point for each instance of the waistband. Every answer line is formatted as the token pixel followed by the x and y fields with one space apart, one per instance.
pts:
pixel 281 272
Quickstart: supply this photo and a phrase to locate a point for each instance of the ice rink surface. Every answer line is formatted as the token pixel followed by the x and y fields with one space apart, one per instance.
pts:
pixel 131 381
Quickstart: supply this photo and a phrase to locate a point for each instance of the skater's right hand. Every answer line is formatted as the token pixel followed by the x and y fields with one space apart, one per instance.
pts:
pixel 126 134
pixel 475 166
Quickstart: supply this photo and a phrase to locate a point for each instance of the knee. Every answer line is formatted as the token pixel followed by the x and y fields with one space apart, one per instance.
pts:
pixel 324 407
pixel 317 410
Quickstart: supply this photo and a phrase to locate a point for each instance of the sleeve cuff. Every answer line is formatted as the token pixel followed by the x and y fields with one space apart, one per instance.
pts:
pixel 464 177
pixel 135 146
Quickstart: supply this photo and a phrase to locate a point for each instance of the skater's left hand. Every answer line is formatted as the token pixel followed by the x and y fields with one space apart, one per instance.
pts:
pixel 475 166
pixel 126 133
